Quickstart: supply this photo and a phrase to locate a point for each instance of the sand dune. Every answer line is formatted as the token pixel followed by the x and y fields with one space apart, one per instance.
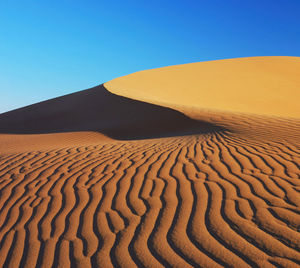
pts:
pixel 95 179
pixel 257 85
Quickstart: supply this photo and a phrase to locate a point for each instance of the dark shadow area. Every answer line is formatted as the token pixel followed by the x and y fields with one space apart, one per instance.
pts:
pixel 97 109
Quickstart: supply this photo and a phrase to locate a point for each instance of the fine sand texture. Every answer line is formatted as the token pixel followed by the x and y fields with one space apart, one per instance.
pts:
pixel 193 165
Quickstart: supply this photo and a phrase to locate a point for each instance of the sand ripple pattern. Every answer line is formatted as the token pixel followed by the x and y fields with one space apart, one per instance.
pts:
pixel 198 201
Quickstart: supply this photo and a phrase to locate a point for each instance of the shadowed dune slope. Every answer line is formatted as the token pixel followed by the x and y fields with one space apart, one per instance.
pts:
pixel 95 179
pixel 97 109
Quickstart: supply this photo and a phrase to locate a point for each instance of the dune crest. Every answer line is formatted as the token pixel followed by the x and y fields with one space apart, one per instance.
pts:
pixel 256 85
pixel 139 177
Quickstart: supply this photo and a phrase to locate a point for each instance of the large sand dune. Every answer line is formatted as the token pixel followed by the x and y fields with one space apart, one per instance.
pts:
pixel 144 171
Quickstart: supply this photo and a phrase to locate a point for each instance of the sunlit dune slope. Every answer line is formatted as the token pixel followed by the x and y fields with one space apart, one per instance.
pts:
pixel 182 166
pixel 257 85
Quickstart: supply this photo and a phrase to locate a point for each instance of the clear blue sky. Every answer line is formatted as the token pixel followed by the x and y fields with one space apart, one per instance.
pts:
pixel 51 48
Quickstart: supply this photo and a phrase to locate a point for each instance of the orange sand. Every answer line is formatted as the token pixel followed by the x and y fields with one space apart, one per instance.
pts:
pixel 257 85
pixel 187 166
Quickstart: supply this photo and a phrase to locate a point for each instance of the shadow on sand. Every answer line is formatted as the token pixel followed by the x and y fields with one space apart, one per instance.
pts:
pixel 97 109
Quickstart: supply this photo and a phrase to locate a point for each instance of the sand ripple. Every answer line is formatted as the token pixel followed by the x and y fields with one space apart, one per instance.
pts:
pixel 211 200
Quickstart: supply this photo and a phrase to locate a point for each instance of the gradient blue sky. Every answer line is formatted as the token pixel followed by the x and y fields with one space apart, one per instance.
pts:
pixel 51 48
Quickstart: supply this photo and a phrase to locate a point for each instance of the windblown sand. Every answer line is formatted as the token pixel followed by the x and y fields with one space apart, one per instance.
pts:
pixel 192 165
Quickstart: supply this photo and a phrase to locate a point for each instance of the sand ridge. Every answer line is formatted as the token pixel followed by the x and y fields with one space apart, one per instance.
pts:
pixel 95 179
pixel 256 85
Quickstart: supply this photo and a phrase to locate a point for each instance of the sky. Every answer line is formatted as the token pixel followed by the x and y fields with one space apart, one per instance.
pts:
pixel 52 48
